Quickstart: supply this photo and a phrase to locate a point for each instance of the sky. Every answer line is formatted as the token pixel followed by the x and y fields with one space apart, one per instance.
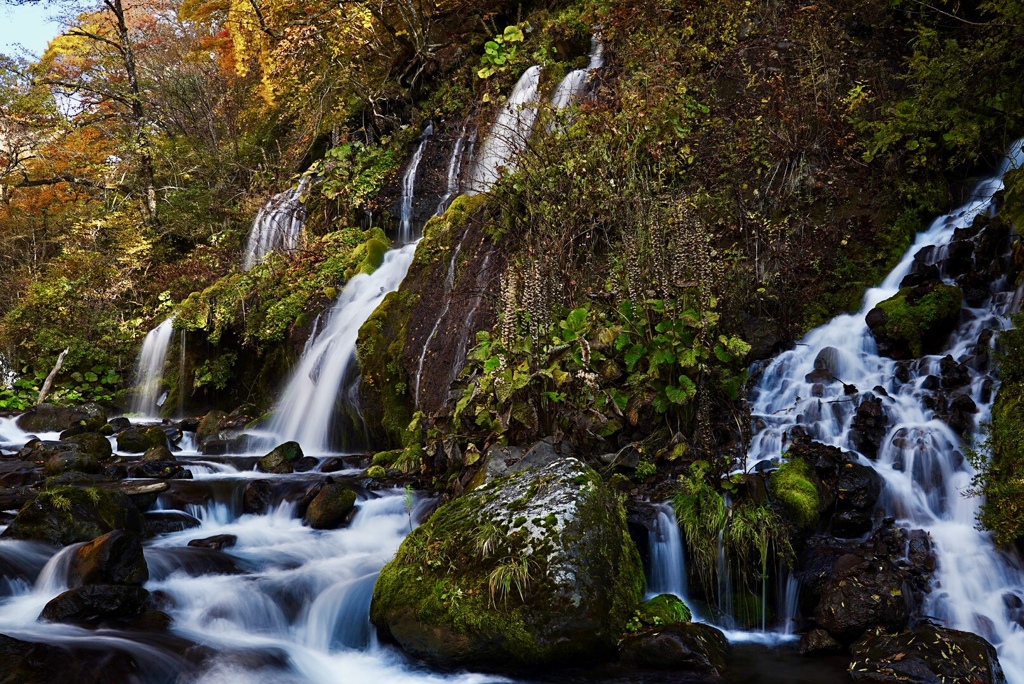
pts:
pixel 26 27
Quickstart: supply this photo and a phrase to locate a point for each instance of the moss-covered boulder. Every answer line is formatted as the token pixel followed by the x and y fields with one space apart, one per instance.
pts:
pixel 66 515
pixel 331 508
pixel 794 486
pixel 138 440
pixel 923 655
pixel 158 454
pixel 210 425
pixel 51 418
pixel 664 609
pixel 281 460
pixel 91 443
pixel 536 568
pixel 916 321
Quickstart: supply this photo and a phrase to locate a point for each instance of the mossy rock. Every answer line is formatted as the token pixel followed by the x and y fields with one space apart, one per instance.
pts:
pixel 159 453
pixel 331 508
pixel 664 609
pixel 210 425
pixel 925 654
pixel 376 472
pixel 535 568
pixel 138 440
pixel 281 460
pixel 794 486
pixel 51 418
pixel 916 320
pixel 92 443
pixel 66 515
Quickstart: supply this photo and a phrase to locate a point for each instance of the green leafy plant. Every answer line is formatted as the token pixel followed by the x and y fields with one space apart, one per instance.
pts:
pixel 499 51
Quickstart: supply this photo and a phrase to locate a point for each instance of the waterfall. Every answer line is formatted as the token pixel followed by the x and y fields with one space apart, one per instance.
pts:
pixel 668 563
pixel 405 231
pixel 306 410
pixel 926 477
pixel 454 175
pixel 575 82
pixel 278 225
pixel 149 372
pixel 181 375
pixel 509 134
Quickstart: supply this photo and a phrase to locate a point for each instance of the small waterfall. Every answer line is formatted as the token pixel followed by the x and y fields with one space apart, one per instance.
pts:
pixel 149 372
pixel 181 375
pixel 454 175
pixel 926 477
pixel 306 410
pixel 405 231
pixel 790 603
pixel 575 82
pixel 509 134
pixel 668 562
pixel 278 225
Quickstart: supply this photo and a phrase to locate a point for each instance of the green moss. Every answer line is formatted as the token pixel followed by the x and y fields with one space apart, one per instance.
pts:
pixel 793 486
pixel 376 472
pixel 912 320
pixel 664 609
pixel 66 515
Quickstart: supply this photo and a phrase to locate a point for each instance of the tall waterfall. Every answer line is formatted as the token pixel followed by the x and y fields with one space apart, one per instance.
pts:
pixel 405 230
pixel 667 574
pixel 509 134
pixel 149 371
pixel 278 225
pixel 575 82
pixel 454 175
pixel 307 409
pixel 925 474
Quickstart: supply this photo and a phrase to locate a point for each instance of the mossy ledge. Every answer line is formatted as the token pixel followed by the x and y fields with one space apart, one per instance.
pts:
pixel 916 320
pixel 536 568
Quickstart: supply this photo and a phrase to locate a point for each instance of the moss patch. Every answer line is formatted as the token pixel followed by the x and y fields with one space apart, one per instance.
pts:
pixel 66 515
pixel 662 610
pixel 917 321
pixel 793 487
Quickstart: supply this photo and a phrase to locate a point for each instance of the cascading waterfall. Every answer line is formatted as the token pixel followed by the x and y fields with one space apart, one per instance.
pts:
pixel 454 175
pixel 509 134
pixel 181 374
pixel 149 372
pixel 306 410
pixel 575 83
pixel 405 230
pixel 925 475
pixel 278 225
pixel 667 574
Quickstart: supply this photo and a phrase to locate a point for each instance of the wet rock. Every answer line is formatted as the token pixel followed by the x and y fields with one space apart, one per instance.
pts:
pixel 959 258
pixel 161 470
pixel 257 497
pixel 923 655
pixel 921 274
pixel 63 457
pixel 920 552
pixel 562 523
pixel 93 444
pixel 209 426
pixel 690 648
pixel 333 507
pixel 167 522
pixel 931 383
pixel 333 465
pixel 305 464
pixel 138 440
pixel 915 321
pixel 96 603
pixel 119 423
pixel 114 558
pixel 23 662
pixel 961 413
pixel 869 426
pixel 857 490
pixel 826 367
pixel 281 460
pixel 216 542
pixel 159 453
pixel 50 418
pixel 65 515
pixel 954 375
pixel 818 640
pixel 189 424
pixel 863 593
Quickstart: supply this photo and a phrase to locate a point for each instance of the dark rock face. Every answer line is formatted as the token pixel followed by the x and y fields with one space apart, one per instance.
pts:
pixel 691 648
pixel 924 655
pixel 281 460
pixel 818 640
pixel 138 440
pixel 50 418
pixel 862 594
pixel 257 497
pixel 23 662
pixel 332 507
pixel 65 515
pixel 869 426
pixel 826 367
pixel 857 490
pixel 561 524
pixel 96 603
pixel 114 558
pixel 166 522
pixel 216 542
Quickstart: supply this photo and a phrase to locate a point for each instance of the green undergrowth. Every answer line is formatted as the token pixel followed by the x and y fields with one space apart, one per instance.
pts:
pixel 794 487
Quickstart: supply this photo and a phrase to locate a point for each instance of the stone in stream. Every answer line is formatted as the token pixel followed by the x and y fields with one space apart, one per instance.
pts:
pixel 23 662
pixel 332 507
pixel 686 648
pixel 546 574
pixel 217 542
pixel 861 594
pixel 257 497
pixel 166 522
pixel 50 418
pixel 137 440
pixel 923 655
pixel 65 515
pixel 114 558
pixel 96 603
pixel 158 453
pixel 281 460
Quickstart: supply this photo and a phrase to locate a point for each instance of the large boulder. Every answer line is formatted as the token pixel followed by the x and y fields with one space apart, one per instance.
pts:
pixel 66 515
pixel 114 558
pixel 24 662
pixel 924 655
pixel 691 648
pixel 331 508
pixel 138 440
pixel 916 321
pixel 863 593
pixel 281 460
pixel 96 603
pixel 51 418
pixel 534 568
